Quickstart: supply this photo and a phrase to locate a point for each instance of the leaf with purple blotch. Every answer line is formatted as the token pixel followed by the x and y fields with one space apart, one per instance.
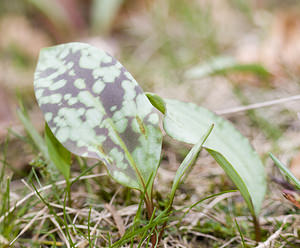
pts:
pixel 96 109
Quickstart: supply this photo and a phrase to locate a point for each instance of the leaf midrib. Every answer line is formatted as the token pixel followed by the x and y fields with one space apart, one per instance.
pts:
pixel 121 143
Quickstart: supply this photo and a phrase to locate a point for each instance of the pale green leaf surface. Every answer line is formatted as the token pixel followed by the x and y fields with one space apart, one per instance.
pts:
pixel 233 175
pixel 188 123
pixel 96 109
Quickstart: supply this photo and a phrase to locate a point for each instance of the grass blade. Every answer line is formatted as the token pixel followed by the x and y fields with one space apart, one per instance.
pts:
pixel 240 232
pixel 285 170
pixel 187 162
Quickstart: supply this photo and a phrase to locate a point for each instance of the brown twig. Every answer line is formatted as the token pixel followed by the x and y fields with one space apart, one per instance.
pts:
pixel 274 236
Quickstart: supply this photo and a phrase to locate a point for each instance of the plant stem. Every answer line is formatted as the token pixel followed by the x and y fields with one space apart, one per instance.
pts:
pixel 165 224
pixel 69 193
pixel 257 229
pixel 149 207
pixel 162 232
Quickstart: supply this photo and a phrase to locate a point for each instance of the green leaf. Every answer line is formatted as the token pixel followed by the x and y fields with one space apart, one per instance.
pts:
pixel 285 170
pixel 223 65
pixel 187 162
pixel 233 175
pixel 96 109
pixel 58 154
pixel 188 122
pixel 157 102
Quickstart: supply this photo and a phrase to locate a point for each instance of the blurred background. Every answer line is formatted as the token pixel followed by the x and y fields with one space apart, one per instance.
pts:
pixel 217 53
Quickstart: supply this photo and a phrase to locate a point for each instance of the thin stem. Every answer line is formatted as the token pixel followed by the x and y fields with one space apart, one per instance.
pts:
pixel 149 208
pixel 162 232
pixel 257 228
pixel 168 210
pixel 69 193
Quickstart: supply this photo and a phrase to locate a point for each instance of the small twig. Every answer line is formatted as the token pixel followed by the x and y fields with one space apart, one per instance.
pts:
pixel 229 242
pixel 257 105
pixel 128 211
pixel 84 242
pixel 62 233
pixel 116 216
pixel 29 225
pixel 189 230
pixel 211 205
pixel 83 227
pixel 274 236
pixel 39 227
pixel 114 196
pixel 95 229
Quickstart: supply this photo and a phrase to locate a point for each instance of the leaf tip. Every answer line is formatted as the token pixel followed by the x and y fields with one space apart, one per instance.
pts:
pixel 157 102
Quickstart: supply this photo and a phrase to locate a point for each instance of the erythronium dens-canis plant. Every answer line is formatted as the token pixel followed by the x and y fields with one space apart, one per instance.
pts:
pixel 95 108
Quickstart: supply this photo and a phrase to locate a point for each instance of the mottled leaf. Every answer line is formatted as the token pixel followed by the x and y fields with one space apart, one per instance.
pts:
pixel 188 122
pixel 96 109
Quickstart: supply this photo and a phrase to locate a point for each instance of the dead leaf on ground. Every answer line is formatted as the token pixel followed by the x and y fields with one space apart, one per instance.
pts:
pixel 117 218
pixel 19 33
pixel 280 50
